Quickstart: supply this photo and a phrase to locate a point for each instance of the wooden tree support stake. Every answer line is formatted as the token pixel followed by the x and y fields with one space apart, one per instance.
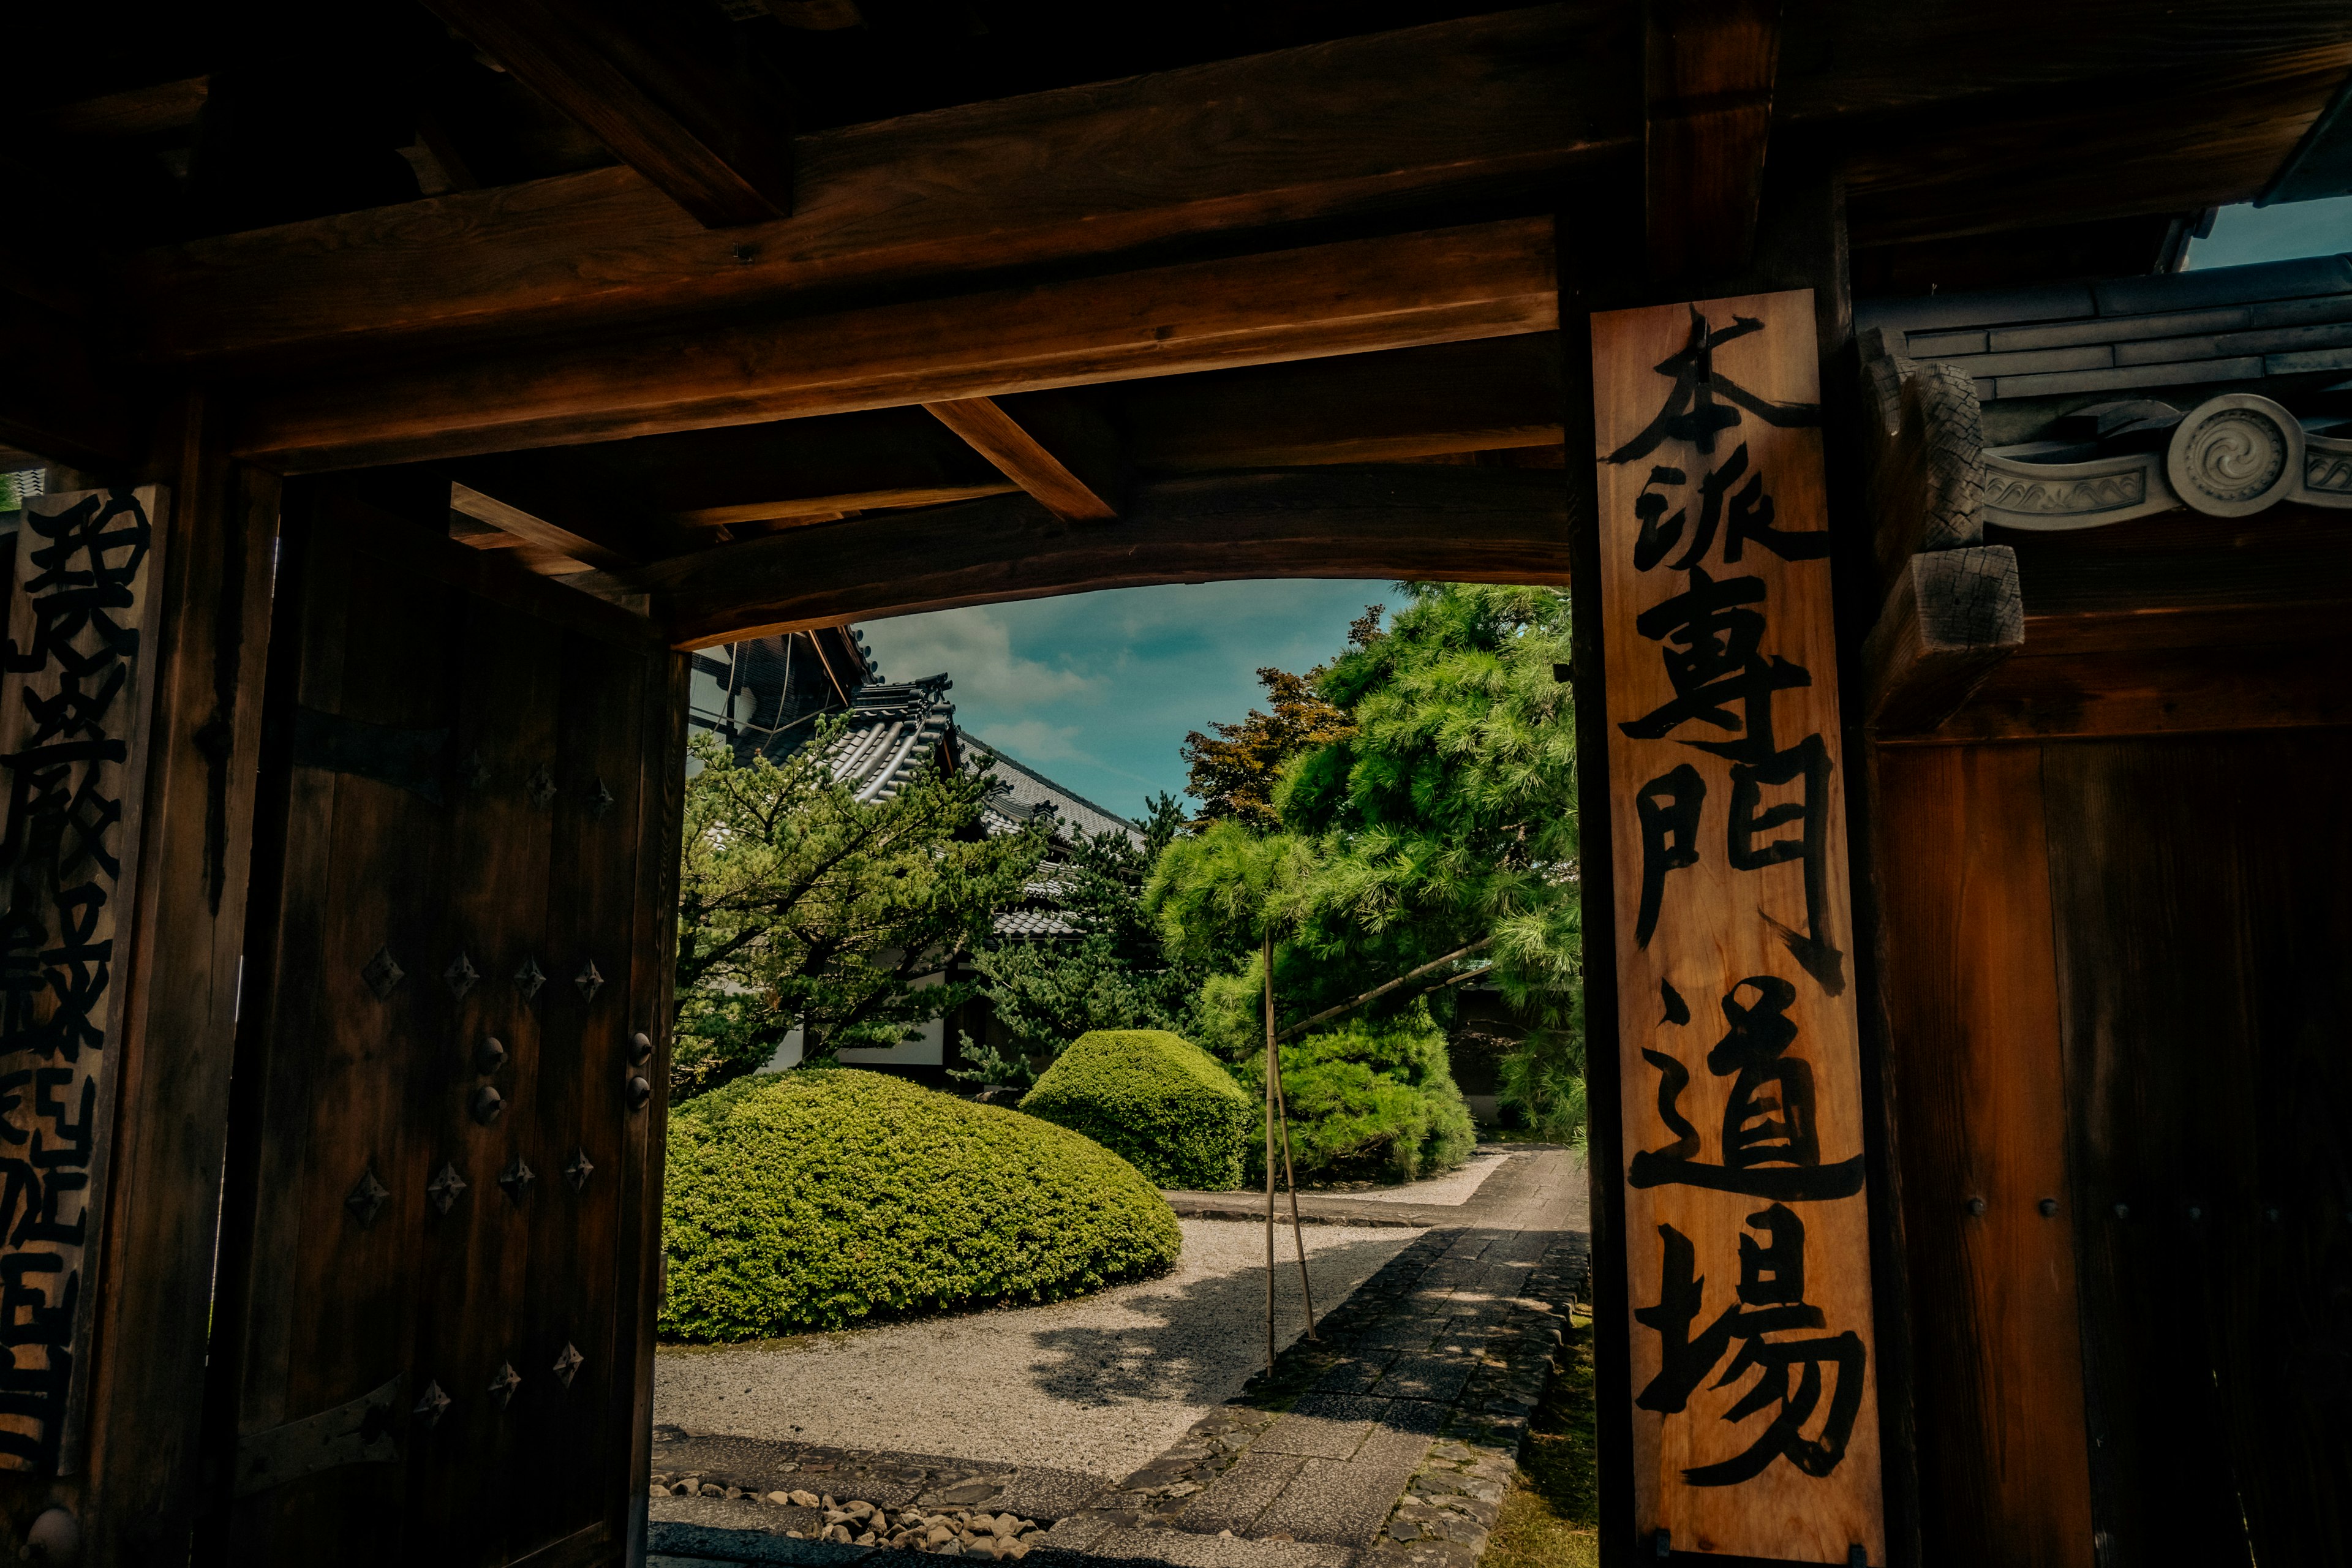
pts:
pixel 1278 1112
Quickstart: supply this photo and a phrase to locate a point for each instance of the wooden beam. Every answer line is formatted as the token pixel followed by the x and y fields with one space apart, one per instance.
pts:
pixel 119 116
pixel 1473 107
pixel 1409 520
pixel 2166 691
pixel 1707 72
pixel 1491 394
pixel 1952 616
pixel 1444 285
pixel 793 510
pixel 1078 483
pixel 2190 139
pixel 532 529
pixel 1480 107
pixel 578 507
pixel 667 87
pixel 2321 164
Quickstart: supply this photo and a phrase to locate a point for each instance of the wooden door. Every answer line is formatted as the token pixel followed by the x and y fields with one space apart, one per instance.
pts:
pixel 440 1241
pixel 2202 893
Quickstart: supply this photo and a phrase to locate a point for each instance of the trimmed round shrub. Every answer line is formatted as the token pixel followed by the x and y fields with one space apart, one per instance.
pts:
pixel 1371 1101
pixel 813 1198
pixel 1165 1104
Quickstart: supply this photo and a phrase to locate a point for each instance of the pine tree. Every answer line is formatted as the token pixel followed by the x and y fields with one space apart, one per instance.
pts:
pixel 800 906
pixel 1443 816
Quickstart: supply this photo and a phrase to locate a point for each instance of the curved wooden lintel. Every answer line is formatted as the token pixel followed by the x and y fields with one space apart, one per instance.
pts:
pixel 1419 520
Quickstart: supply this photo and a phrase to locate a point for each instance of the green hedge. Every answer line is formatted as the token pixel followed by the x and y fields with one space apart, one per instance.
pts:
pixel 1370 1101
pixel 810 1199
pixel 1167 1105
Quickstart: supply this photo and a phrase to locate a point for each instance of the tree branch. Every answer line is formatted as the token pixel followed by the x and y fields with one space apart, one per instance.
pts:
pixel 1381 990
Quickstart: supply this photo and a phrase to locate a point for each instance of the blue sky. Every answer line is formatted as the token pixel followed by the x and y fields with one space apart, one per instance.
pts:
pixel 2244 233
pixel 1096 690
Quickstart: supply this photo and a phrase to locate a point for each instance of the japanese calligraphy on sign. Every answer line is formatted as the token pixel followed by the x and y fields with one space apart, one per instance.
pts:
pixel 74 699
pixel 1747 1265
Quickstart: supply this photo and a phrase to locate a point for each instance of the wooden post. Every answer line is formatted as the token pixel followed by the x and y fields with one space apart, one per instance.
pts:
pixel 1270 1071
pixel 1289 1175
pixel 136 1486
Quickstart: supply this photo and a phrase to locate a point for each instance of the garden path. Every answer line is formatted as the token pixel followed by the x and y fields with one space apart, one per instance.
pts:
pixel 1386 1444
pixel 1097 1386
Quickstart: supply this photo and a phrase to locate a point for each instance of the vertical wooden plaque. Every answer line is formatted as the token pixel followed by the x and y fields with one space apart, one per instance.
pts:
pixel 75 689
pixel 1753 1394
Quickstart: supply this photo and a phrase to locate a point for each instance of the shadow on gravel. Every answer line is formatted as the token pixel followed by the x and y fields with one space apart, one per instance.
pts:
pixel 1165 1361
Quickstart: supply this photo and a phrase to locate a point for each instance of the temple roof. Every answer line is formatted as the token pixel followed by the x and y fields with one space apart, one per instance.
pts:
pixel 893 729
pixel 1027 792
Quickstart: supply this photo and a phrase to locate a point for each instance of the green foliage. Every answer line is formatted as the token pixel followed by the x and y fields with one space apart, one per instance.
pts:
pixel 1444 816
pixel 1370 1101
pixel 1111 974
pixel 1232 773
pixel 801 905
pixel 813 1198
pixel 1164 1104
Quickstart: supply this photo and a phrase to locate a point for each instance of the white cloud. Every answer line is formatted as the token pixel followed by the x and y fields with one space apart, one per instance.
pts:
pixel 1035 741
pixel 975 647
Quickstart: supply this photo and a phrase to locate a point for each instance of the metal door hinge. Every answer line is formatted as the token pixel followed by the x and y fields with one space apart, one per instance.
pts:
pixel 358 1432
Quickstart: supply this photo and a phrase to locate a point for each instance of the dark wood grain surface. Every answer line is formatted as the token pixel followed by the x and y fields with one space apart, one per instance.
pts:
pixel 2199 891
pixel 1404 520
pixel 1978 1086
pixel 1479 280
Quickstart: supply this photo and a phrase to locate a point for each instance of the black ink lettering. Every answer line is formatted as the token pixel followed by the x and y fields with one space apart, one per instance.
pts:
pixel 1772 1302
pixel 64 804
pixel 1771 1144
pixel 1669 808
pixel 1691 412
pixel 1659 531
pixel 1677 1010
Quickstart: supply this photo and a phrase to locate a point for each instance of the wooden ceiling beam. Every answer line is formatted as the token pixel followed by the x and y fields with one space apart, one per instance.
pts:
pixel 665 85
pixel 1404 520
pixel 1444 285
pixel 1707 73
pixel 1491 394
pixel 577 509
pixel 794 510
pixel 1486 107
pixel 529 529
pixel 1079 478
pixel 158 109
pixel 1360 125
pixel 2198 139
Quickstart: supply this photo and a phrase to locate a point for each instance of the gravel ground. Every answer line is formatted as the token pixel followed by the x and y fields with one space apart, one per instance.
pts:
pixel 1101 1384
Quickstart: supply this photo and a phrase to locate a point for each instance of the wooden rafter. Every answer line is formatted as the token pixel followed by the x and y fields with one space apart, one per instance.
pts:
pixel 663 85
pixel 1707 72
pixel 1406 520
pixel 1444 285
pixel 529 529
pixel 577 509
pixel 1076 486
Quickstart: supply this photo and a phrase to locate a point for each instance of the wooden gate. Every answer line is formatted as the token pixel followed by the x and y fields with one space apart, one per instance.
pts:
pixel 432 1332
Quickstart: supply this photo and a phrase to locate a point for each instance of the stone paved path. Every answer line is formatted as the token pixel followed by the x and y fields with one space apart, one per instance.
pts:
pixel 1387 1443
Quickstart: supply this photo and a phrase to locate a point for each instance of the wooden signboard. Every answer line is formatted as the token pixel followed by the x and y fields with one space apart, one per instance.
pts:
pixel 1747 1264
pixel 76 689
